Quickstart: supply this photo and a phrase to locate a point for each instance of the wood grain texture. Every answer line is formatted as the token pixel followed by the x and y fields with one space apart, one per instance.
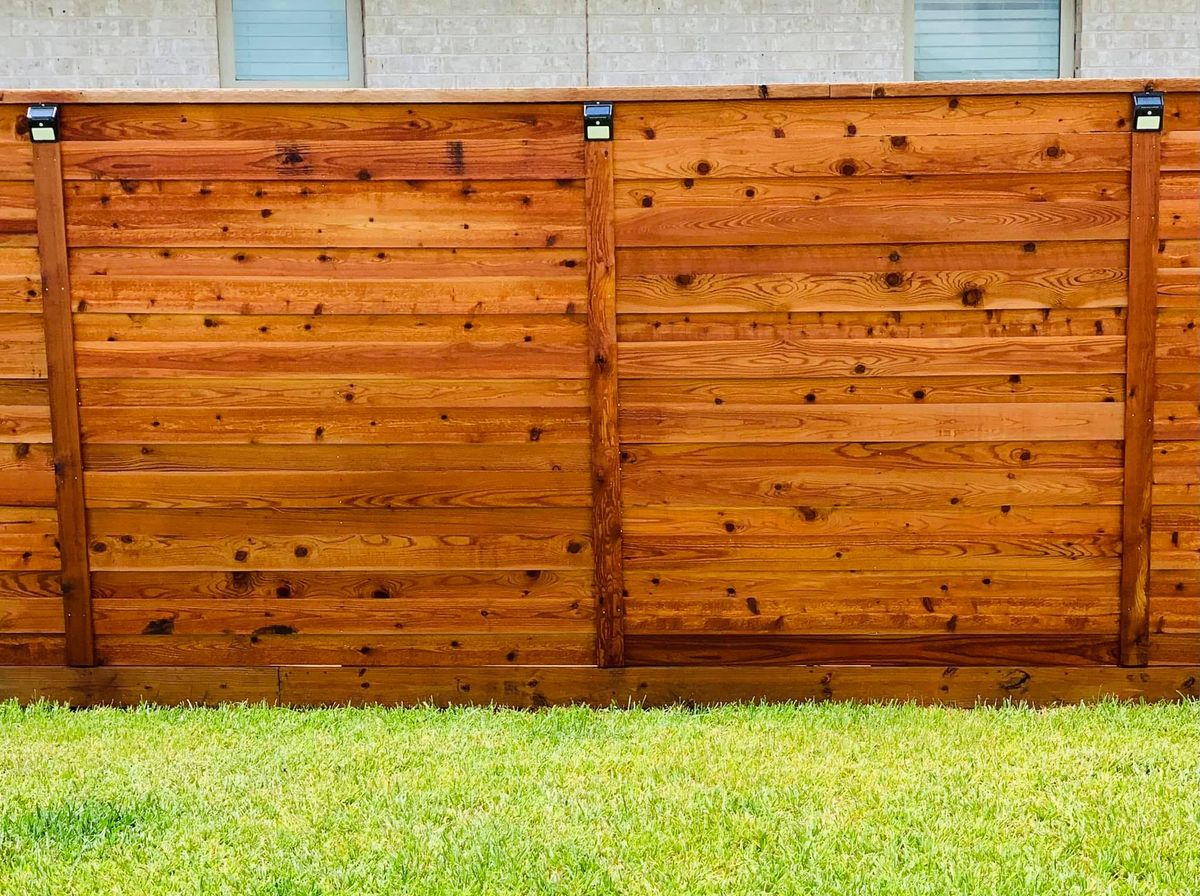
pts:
pixel 1080 89
pixel 823 120
pixel 275 647
pixel 605 435
pixel 796 326
pixel 895 650
pixel 64 405
pixel 534 457
pixel 532 687
pixel 827 210
pixel 1139 401
pixel 277 280
pixel 852 291
pixel 810 422
pixel 775 152
pixel 377 214
pixel 306 159
pixel 380 489
pixel 449 587
pixel 842 357
pixel 798 375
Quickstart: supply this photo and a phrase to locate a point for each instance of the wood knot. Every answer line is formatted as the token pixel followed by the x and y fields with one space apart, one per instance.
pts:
pixel 1015 680
pixel 274 630
pixel 164 626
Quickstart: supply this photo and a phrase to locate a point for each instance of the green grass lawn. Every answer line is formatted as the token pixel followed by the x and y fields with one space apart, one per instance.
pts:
pixel 820 799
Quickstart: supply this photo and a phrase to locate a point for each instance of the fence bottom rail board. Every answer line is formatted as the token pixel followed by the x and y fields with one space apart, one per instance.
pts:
pixel 531 687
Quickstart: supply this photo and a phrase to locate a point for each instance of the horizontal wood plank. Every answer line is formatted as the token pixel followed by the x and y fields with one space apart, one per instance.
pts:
pixel 702 292
pixel 359 359
pixel 810 422
pixel 382 214
pixel 533 457
pixel 450 587
pixel 181 120
pixel 921 209
pixel 895 650
pixel 308 159
pixel 894 357
pixel 305 617
pixel 273 649
pixel 381 489
pixel 704 394
pixel 776 152
pixel 793 326
pixel 533 687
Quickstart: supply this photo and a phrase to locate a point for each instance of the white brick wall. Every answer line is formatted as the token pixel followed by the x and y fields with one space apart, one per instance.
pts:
pixel 744 41
pixel 522 43
pixel 108 43
pixel 475 43
pixel 1139 38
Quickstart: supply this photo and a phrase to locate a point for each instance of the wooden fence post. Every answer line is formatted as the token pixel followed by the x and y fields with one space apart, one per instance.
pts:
pixel 1140 324
pixel 64 403
pixel 606 448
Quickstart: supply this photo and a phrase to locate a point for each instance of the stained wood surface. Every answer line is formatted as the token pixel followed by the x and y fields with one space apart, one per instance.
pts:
pixel 334 382
pixel 874 351
pixel 355 213
pixel 531 688
pixel 1077 88
pixel 865 396
pixel 1170 560
pixel 79 648
pixel 778 211
pixel 605 422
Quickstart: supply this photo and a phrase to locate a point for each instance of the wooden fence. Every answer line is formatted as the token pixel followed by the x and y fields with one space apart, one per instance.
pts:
pixel 786 392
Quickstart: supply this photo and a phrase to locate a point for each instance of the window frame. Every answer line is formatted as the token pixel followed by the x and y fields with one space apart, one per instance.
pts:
pixel 227 52
pixel 1067 39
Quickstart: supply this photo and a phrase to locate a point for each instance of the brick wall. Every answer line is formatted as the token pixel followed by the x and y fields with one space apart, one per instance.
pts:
pixel 483 43
pixel 108 43
pixel 1132 38
pixel 739 41
pixel 521 43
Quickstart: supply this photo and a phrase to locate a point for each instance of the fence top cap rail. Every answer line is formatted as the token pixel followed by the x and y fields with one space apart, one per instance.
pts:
pixel 586 94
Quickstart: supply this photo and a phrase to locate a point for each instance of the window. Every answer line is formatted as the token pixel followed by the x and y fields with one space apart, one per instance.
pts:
pixel 301 43
pixel 952 40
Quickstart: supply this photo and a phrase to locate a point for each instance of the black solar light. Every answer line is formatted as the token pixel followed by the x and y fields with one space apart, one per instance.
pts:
pixel 598 121
pixel 43 123
pixel 1148 111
